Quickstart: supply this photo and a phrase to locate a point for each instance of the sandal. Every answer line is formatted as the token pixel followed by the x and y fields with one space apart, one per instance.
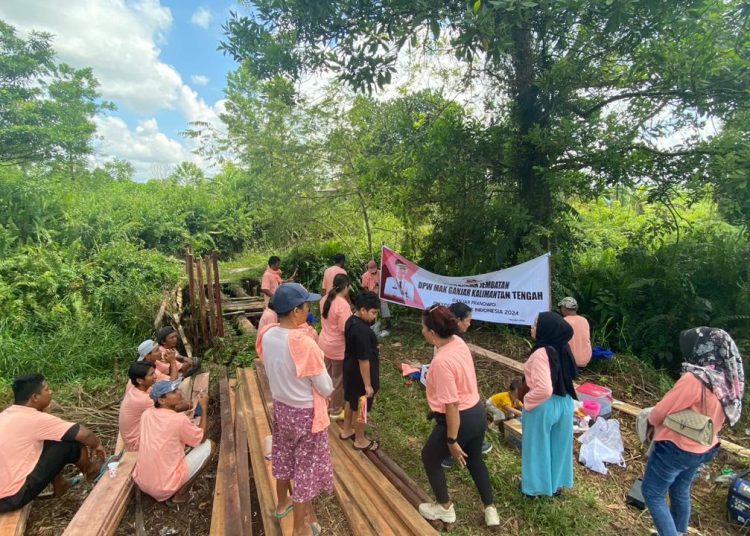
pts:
pixel 372 446
pixel 103 469
pixel 347 438
pixel 279 516
pixel 315 528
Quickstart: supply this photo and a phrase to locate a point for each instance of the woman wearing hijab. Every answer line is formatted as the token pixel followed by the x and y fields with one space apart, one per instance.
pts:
pixel 547 441
pixel 712 384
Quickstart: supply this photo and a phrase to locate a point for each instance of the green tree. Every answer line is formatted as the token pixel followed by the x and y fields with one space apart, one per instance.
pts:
pixel 581 91
pixel 46 108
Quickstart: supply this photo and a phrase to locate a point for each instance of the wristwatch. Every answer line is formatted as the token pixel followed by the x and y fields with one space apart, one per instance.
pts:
pixel 451 440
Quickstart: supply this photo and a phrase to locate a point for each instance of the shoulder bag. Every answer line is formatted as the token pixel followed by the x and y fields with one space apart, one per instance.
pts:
pixel 693 425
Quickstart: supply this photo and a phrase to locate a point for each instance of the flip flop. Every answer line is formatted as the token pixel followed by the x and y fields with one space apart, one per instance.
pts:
pixel 73 481
pixel 315 528
pixel 282 515
pixel 372 446
pixel 347 438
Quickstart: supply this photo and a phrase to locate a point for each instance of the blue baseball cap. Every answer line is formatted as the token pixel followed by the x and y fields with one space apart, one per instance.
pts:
pixel 291 295
pixel 163 388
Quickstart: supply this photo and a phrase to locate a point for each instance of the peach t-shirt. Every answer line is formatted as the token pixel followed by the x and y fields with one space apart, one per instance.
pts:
pixel 269 316
pixel 370 281
pixel 539 379
pixel 328 275
pixel 23 431
pixel 162 365
pixel 686 394
pixel 452 378
pixel 331 339
pixel 131 409
pixel 161 468
pixel 271 281
pixel 580 344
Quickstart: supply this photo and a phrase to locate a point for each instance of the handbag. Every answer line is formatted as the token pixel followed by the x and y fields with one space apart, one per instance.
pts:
pixel 693 425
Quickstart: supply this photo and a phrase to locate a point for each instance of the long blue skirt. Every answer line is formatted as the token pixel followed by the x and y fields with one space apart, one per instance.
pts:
pixel 547 447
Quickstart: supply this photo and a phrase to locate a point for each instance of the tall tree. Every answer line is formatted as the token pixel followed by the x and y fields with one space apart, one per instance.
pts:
pixel 583 90
pixel 46 108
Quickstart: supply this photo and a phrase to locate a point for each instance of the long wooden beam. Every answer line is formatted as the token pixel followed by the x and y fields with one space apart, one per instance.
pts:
pixel 624 407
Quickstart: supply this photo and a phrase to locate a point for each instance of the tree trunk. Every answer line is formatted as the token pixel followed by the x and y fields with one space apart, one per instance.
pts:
pixel 528 162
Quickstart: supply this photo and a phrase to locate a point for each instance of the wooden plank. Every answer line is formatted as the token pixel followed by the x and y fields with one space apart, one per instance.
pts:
pixel 368 498
pixel 203 331
pixel 354 516
pixel 217 294
pixel 243 475
pixel 103 509
pixel 265 484
pixel 14 523
pixel 226 506
pixel 405 512
pixel 624 407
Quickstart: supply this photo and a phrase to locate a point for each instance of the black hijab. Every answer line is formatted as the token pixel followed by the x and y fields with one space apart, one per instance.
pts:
pixel 553 334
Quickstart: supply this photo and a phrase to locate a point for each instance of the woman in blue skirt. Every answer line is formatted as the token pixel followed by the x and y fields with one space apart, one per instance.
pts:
pixel 547 442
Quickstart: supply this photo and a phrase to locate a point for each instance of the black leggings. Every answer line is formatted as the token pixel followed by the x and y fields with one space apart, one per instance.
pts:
pixel 470 438
pixel 55 456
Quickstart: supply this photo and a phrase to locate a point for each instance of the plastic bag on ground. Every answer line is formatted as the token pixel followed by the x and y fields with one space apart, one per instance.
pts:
pixel 602 444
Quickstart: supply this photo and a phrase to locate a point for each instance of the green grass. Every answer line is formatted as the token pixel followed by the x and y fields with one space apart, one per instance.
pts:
pixel 399 422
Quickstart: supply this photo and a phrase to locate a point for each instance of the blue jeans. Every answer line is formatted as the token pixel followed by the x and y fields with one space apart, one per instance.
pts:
pixel 671 469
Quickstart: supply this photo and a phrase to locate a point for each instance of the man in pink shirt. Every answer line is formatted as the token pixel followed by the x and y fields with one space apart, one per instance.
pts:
pixel 339 263
pixel 136 401
pixel 580 344
pixel 272 279
pixel 37 446
pixel 163 470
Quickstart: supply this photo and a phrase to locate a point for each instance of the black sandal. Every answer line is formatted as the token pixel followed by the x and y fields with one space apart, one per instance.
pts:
pixel 347 438
pixel 369 447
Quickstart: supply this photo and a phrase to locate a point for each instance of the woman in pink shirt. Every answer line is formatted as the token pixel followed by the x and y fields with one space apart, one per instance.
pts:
pixel 460 417
pixel 335 310
pixel 712 384
pixel 547 441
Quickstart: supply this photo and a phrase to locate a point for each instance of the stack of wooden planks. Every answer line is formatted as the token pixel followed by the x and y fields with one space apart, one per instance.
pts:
pixel 105 506
pixel 375 498
pixel 231 509
pixel 14 523
pixel 624 407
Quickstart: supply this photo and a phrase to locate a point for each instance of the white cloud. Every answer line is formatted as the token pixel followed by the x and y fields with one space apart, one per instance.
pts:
pixel 199 80
pixel 121 42
pixel 201 17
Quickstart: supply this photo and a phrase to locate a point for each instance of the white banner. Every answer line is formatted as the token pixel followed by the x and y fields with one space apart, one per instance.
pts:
pixel 515 295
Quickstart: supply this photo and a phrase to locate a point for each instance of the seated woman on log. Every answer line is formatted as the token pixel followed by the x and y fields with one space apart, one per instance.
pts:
pixel 37 446
pixel 163 470
pixel 299 386
pixel 167 339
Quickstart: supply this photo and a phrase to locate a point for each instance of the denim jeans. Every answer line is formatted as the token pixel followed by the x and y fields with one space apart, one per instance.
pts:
pixel 671 469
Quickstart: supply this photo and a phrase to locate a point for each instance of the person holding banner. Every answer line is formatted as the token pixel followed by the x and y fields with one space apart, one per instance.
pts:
pixel 547 441
pixel 335 311
pixel 460 418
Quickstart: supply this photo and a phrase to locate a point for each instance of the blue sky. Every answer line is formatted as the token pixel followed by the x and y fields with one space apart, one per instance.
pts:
pixel 157 60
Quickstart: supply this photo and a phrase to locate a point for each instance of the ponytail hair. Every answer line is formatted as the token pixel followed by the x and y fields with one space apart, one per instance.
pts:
pixel 441 320
pixel 340 282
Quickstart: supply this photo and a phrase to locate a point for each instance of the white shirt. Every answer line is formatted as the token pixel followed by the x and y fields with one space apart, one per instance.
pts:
pixel 399 289
pixel 286 387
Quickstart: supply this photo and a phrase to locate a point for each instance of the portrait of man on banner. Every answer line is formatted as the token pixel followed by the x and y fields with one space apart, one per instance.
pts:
pixel 399 287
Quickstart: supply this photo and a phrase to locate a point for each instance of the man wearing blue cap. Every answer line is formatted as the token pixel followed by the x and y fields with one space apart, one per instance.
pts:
pixel 163 470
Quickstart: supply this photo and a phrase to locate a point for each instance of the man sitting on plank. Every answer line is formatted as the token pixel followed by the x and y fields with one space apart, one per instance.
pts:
pixel 37 446
pixel 150 351
pixel 136 401
pixel 163 470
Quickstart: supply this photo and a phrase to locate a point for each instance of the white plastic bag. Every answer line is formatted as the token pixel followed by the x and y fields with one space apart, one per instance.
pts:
pixel 602 444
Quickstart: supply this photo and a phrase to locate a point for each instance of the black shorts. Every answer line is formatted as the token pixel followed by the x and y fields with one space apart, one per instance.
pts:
pixel 55 456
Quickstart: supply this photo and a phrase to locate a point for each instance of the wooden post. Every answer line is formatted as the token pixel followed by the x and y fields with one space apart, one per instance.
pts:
pixel 211 302
pixel 202 308
pixel 217 293
pixel 189 266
